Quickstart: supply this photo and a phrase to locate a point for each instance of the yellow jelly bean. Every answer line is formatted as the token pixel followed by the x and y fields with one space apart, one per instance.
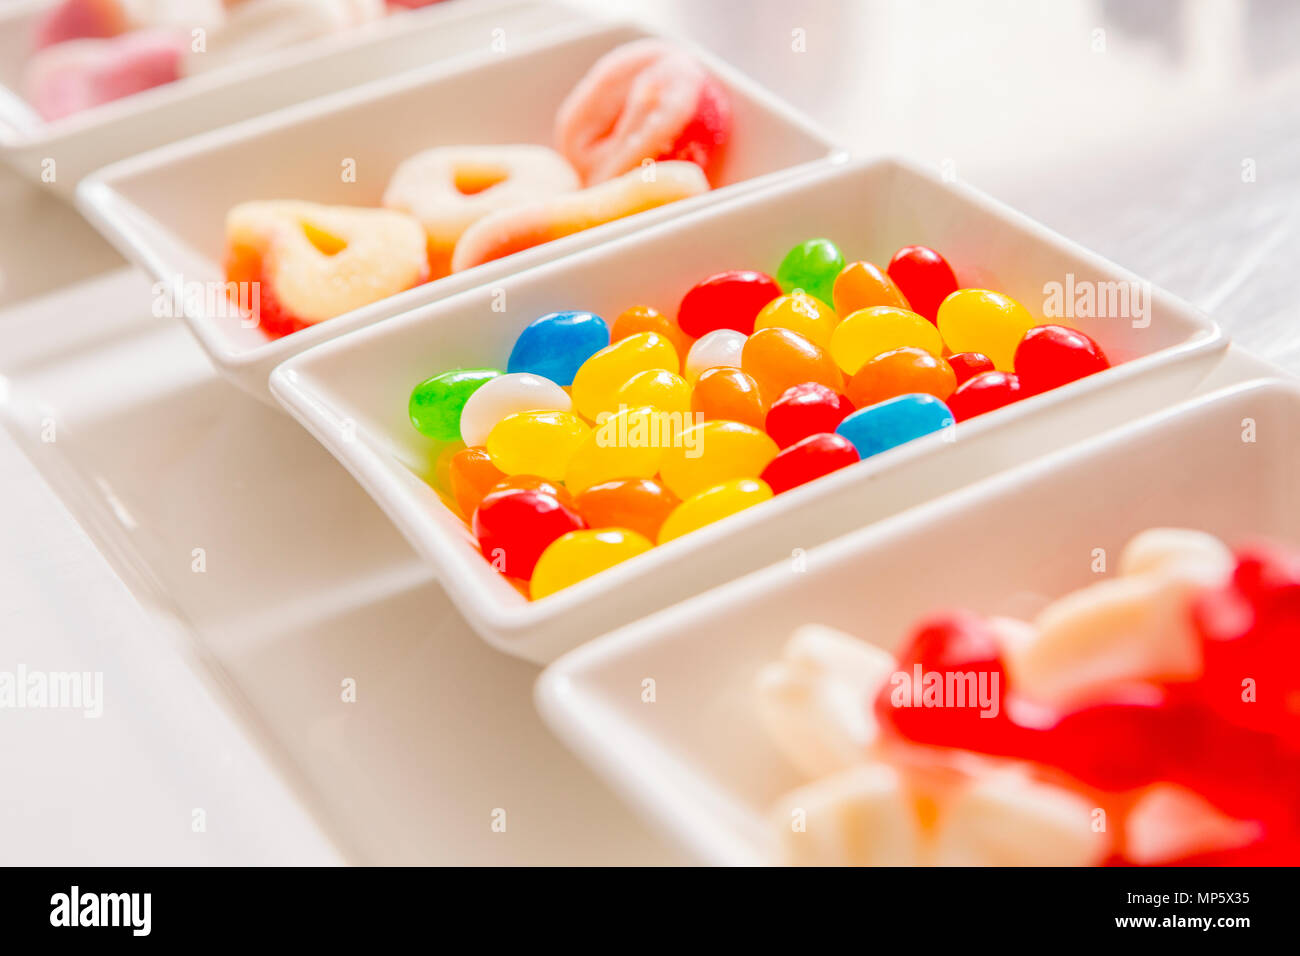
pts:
pixel 579 554
pixel 713 452
pixel 658 387
pixel 629 444
pixel 596 384
pixel 713 504
pixel 799 312
pixel 536 443
pixel 867 333
pixel 979 320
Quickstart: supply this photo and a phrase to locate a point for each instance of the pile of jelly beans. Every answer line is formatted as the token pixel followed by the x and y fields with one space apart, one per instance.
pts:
pixel 1243 759
pixel 599 441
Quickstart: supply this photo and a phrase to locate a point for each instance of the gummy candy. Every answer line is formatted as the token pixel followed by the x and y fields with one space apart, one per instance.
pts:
pixel 808 458
pixel 556 345
pixel 813 266
pixel 577 555
pixel 727 300
pixel 870 332
pixel 437 403
pixel 713 504
pixel 901 372
pixel 804 410
pixel 878 428
pixel 924 277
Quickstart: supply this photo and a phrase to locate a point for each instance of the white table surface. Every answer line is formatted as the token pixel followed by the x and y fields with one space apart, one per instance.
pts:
pixel 1126 126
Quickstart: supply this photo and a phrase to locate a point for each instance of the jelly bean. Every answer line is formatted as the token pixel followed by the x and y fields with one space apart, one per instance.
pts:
pixel 627 444
pixel 728 394
pixel 514 527
pixel 537 443
pixel 867 333
pixel 505 395
pixel 440 478
pixel 644 318
pixel 640 504
pixel 902 371
pixel 713 452
pixel 535 483
pixel 436 403
pixel 978 320
pixel 966 365
pixel 728 300
pixel 596 385
pixel 800 312
pixel 666 391
pixel 862 285
pixel 812 266
pixel 578 555
pixel 714 504
pixel 470 476
pixel 804 410
pixel 718 349
pixel 1050 356
pixel 556 345
pixel 880 427
pixel 984 393
pixel 924 277
pixel 807 459
pixel 779 358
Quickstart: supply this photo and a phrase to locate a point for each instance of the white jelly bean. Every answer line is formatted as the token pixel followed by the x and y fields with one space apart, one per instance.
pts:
pixel 515 392
pixel 719 347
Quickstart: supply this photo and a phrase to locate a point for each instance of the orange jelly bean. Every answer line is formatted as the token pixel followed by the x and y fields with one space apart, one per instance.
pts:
pixel 729 395
pixel 638 504
pixel 471 475
pixel 902 371
pixel 861 285
pixel 778 358
pixel 645 318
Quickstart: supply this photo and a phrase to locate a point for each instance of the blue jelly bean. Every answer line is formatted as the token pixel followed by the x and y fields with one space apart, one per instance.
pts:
pixel 556 345
pixel 878 428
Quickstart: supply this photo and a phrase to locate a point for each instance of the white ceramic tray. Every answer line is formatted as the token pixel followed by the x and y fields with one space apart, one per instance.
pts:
pixel 697 762
pixel 303 584
pixel 352 393
pixel 86 141
pixel 166 209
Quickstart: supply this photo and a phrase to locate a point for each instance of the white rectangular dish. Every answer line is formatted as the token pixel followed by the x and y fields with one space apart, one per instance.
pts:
pixel 352 393
pixel 697 761
pixel 84 142
pixel 166 209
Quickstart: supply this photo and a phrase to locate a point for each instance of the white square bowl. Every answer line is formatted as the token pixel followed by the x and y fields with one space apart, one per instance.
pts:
pixel 352 393
pixel 697 761
pixel 166 209
pixel 85 141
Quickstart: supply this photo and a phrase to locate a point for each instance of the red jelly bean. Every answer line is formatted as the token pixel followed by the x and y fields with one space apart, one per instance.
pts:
pixel 807 459
pixel 1050 356
pixel 924 277
pixel 984 393
pixel 966 365
pixel 514 526
pixel 962 684
pixel 803 410
pixel 728 300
